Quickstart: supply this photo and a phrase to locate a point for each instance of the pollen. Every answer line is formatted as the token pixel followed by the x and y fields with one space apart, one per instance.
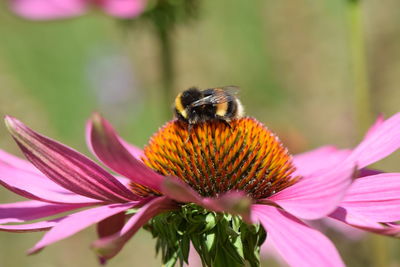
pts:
pixel 215 157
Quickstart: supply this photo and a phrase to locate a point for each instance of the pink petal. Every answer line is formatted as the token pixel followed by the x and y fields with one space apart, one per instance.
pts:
pixel 232 202
pixel 353 219
pixel 111 225
pixel 318 160
pixel 105 143
pixel 108 247
pixel 269 251
pixel 360 222
pixel 179 191
pixel 67 167
pixel 393 231
pixel 316 197
pixel 18 163
pixel 125 181
pixel 31 210
pixel 76 222
pixel 327 224
pixel 344 229
pixel 298 244
pixel 375 126
pixel 367 172
pixel 48 9
pixel 194 258
pixel 381 142
pixel 375 197
pixel 31 227
pixel 136 152
pixel 124 8
pixel 36 186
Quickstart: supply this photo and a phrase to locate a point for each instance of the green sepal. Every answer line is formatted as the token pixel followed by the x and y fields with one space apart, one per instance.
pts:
pixel 220 239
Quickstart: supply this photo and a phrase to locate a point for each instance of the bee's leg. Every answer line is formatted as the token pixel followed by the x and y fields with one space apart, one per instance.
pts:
pixel 226 123
pixel 190 127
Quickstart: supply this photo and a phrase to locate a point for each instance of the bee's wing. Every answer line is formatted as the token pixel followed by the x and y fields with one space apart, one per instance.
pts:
pixel 226 95
pixel 231 89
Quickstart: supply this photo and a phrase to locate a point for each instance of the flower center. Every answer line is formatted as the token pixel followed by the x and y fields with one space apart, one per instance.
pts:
pixel 215 157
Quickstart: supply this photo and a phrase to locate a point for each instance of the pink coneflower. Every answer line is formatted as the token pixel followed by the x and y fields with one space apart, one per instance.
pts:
pixel 373 200
pixel 58 9
pixel 210 175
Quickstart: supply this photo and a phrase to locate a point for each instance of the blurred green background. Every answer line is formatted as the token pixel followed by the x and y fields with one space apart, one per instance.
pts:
pixel 291 59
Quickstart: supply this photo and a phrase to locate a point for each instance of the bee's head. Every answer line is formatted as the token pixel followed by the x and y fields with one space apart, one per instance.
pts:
pixel 184 99
pixel 189 96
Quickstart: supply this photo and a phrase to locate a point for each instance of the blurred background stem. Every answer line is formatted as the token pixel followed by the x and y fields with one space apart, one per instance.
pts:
pixel 359 66
pixel 379 255
pixel 380 248
pixel 166 68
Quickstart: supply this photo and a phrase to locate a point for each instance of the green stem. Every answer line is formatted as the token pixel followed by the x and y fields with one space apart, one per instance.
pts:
pixel 359 66
pixel 380 255
pixel 166 68
pixel 363 101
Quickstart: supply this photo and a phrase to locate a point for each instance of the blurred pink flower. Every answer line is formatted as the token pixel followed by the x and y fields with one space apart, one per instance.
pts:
pixel 274 193
pixel 59 9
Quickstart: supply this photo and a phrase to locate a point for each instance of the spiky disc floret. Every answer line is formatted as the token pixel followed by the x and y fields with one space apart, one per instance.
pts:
pixel 215 157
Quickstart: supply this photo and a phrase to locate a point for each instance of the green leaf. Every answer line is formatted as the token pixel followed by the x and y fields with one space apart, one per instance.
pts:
pixel 210 241
pixel 220 239
pixel 185 248
pixel 222 259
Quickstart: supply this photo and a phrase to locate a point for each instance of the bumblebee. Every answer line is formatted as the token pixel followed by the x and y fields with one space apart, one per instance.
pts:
pixel 195 106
